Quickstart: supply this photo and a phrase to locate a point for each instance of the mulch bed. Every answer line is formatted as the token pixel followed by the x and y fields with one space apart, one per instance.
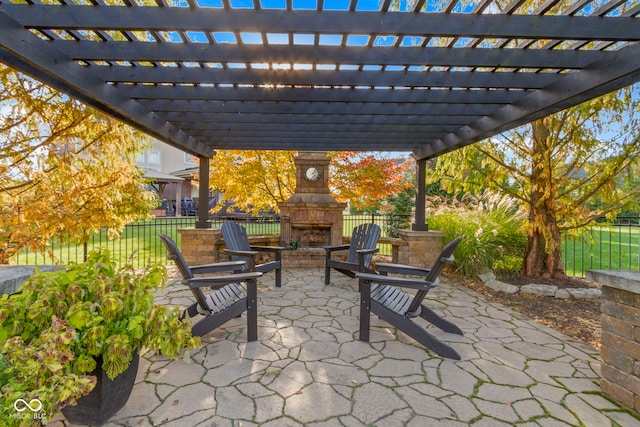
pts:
pixel 579 319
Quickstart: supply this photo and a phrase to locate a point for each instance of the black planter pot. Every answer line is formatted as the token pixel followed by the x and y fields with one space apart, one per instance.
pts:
pixel 107 398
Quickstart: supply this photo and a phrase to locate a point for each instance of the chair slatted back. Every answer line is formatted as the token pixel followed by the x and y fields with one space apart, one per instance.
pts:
pixel 174 254
pixel 445 257
pixel 236 239
pixel 364 236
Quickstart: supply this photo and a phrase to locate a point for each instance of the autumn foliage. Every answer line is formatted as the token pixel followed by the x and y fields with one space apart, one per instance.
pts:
pixel 254 180
pixel 66 169
pixel 258 180
pixel 566 170
pixel 366 179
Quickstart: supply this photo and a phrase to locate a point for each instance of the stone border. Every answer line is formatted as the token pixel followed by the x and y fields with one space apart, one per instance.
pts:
pixel 489 280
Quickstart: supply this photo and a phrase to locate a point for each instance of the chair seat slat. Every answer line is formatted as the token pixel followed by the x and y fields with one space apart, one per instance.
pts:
pixel 222 299
pixel 392 298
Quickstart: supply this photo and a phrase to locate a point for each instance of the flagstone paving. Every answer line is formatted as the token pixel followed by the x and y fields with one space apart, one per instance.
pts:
pixel 309 369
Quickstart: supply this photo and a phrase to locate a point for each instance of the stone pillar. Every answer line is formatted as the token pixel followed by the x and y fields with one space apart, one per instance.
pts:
pixel 206 245
pixel 198 245
pixel 419 248
pixel 620 340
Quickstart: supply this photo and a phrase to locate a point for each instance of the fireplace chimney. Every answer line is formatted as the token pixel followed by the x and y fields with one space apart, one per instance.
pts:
pixel 314 217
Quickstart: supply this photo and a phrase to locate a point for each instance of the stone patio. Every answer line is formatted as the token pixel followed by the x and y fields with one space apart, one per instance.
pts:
pixel 308 368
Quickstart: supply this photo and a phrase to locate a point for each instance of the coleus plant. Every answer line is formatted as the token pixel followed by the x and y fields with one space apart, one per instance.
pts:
pixel 89 313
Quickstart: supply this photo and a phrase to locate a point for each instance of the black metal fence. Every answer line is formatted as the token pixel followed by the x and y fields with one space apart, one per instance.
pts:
pixel 139 244
pixel 600 246
pixel 603 246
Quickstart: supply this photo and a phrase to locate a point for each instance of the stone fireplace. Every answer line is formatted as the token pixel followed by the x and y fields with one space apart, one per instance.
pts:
pixel 311 217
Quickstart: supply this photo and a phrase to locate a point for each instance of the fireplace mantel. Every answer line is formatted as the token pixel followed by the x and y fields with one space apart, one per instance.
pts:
pixel 304 225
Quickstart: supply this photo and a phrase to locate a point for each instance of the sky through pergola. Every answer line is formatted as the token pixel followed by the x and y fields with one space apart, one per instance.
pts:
pixel 325 75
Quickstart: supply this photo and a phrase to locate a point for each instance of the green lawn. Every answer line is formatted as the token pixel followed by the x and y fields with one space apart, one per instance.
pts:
pixel 138 242
pixel 602 247
pixel 599 247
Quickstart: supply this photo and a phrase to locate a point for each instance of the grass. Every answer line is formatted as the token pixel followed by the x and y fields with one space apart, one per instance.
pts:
pixel 602 247
pixel 139 242
pixel 598 247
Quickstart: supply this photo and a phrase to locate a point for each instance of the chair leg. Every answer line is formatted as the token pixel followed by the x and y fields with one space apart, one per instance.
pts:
pixel 431 342
pixel 416 332
pixel 208 323
pixel 252 310
pixel 365 310
pixel 327 274
pixel 431 317
pixel 190 311
pixel 278 278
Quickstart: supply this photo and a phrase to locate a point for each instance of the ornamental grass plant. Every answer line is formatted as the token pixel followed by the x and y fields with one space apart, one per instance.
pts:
pixel 491 226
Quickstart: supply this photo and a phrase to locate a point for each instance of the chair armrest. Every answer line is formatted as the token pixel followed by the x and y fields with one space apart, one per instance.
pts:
pixel 336 248
pixel 368 251
pixel 385 267
pixel 267 248
pixel 362 254
pixel 218 282
pixel 396 281
pixel 241 253
pixel 218 267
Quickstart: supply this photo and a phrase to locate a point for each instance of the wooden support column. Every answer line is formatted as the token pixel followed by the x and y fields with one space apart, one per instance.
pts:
pixel 421 176
pixel 203 194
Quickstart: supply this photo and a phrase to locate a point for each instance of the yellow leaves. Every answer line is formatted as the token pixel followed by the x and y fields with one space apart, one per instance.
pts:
pixel 66 170
pixel 258 180
pixel 567 169
pixel 254 180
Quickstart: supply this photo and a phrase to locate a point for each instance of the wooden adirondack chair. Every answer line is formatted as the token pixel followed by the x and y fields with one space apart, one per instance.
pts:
pixel 361 249
pixel 237 241
pixel 381 294
pixel 230 295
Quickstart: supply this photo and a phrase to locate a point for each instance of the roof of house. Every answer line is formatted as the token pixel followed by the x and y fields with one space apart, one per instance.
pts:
pixel 161 177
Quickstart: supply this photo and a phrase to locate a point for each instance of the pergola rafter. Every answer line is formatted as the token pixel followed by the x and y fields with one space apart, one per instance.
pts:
pixel 348 75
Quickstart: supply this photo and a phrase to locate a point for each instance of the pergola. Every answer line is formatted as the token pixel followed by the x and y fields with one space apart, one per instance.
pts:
pixel 425 77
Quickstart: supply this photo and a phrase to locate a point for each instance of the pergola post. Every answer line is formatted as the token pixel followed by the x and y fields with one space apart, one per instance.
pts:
pixel 203 194
pixel 421 176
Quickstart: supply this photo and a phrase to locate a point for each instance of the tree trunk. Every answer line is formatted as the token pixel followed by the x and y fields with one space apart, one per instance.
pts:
pixel 534 255
pixel 542 255
pixel 538 261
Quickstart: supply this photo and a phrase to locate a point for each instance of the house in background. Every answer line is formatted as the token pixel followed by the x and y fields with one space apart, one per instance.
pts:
pixel 171 171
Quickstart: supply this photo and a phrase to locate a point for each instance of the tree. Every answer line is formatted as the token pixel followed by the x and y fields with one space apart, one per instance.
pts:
pixel 258 180
pixel 366 179
pixel 254 180
pixel 66 169
pixel 402 204
pixel 556 167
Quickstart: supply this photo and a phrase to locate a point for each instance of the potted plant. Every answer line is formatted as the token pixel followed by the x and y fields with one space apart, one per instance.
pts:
pixel 81 328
